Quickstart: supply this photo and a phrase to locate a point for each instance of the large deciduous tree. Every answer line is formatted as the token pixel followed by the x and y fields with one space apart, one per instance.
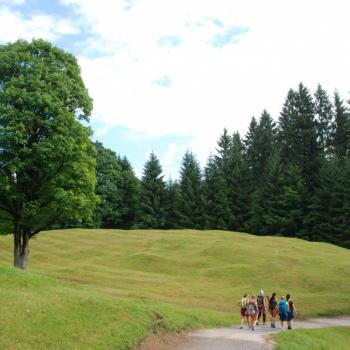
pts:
pixel 47 161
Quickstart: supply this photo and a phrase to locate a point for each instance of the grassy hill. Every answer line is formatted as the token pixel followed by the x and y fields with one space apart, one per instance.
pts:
pixel 117 280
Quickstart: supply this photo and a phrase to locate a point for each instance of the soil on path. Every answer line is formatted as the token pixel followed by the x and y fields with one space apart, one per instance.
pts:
pixel 232 338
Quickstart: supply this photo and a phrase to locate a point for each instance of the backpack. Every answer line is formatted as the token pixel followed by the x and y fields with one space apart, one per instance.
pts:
pixel 243 303
pixel 283 306
pixel 260 300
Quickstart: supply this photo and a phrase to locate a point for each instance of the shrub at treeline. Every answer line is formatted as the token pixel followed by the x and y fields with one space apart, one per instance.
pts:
pixel 288 178
pixel 291 178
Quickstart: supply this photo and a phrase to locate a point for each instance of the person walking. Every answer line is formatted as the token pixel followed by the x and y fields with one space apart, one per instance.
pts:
pixel 291 311
pixel 252 311
pixel 283 311
pixel 244 313
pixel 273 309
pixel 261 307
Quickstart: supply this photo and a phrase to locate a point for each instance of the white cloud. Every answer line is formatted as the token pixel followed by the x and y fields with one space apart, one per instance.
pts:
pixel 13 25
pixel 211 88
pixel 287 42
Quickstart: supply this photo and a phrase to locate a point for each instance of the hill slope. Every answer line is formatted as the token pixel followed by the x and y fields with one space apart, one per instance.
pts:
pixel 137 273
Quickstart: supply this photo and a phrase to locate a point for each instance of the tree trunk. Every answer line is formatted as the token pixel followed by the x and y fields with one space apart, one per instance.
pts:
pixel 21 247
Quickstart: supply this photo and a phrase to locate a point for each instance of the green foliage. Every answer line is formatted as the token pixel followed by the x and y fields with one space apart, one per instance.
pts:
pixel 341 129
pixel 47 161
pixel 329 217
pixel 324 120
pixel 277 204
pixel 298 135
pixel 152 206
pixel 191 201
pixel 117 188
pixel 239 185
pixel 173 216
pixel 216 196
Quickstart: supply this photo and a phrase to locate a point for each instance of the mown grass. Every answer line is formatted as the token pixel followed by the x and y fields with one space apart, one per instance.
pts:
pixel 191 278
pixel 336 338
pixel 38 312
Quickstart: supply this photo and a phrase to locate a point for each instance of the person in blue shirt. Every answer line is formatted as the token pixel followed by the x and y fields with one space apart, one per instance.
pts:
pixel 283 311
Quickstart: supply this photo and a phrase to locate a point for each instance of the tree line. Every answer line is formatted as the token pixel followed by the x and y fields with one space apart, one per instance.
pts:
pixel 289 178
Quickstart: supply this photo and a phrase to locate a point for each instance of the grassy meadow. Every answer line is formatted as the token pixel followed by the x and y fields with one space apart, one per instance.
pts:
pixel 116 281
pixel 334 338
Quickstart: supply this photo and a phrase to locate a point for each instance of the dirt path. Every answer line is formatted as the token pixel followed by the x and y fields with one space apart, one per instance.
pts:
pixel 233 338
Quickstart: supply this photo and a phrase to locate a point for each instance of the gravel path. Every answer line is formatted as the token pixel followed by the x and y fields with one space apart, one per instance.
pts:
pixel 233 338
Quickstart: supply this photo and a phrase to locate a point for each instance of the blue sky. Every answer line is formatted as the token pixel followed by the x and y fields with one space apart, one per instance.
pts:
pixel 168 76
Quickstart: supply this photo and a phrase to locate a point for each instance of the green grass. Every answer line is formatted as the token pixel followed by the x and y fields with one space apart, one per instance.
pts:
pixel 191 278
pixel 38 312
pixel 314 339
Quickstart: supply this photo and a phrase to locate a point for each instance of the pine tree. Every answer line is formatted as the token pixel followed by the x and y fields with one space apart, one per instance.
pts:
pixel 191 192
pixel 298 134
pixel 331 204
pixel 173 215
pixel 265 142
pixel 252 150
pixel 216 200
pixel 324 119
pixel 239 185
pixel 151 211
pixel 130 195
pixel 224 150
pixel 277 204
pixel 341 129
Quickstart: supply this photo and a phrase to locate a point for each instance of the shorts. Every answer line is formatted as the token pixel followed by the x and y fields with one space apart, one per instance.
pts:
pixel 252 313
pixel 273 312
pixel 290 315
pixel 262 310
pixel 244 312
pixel 283 316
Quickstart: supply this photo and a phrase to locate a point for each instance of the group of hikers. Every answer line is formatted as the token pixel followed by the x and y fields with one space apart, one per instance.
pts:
pixel 252 308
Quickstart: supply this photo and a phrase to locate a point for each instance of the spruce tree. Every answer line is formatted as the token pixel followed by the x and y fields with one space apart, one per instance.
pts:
pixel 265 142
pixel 341 129
pixel 331 205
pixel 216 199
pixel 151 211
pixel 130 194
pixel 173 216
pixel 223 152
pixel 277 204
pixel 252 150
pixel 239 186
pixel 324 119
pixel 191 192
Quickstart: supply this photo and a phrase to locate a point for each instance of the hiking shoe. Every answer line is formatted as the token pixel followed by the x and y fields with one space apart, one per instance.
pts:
pixel 289 327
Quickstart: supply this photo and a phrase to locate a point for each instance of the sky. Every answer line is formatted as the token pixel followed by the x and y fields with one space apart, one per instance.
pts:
pixel 169 76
